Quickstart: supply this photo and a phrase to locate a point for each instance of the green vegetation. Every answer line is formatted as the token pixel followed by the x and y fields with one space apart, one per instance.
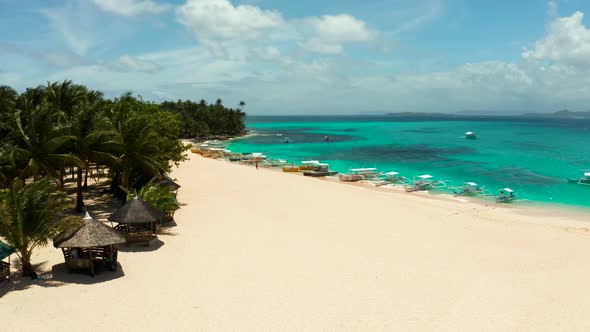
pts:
pixel 30 216
pixel 50 131
pixel 157 196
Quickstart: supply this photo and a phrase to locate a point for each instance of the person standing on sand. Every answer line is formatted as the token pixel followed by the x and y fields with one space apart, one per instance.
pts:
pixel 256 162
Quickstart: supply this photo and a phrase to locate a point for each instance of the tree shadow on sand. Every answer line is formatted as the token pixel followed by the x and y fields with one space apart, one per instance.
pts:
pixel 56 277
pixel 18 283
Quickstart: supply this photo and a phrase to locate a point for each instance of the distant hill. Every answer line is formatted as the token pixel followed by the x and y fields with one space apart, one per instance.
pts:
pixel 560 114
pixel 420 114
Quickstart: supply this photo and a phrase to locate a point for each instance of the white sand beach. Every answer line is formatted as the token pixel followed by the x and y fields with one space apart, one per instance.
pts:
pixel 267 251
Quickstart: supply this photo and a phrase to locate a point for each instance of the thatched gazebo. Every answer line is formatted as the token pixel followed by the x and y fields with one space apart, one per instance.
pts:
pixel 5 251
pixel 91 243
pixel 137 220
pixel 173 187
pixel 168 182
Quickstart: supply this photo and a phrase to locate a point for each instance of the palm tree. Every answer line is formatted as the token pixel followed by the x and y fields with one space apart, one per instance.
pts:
pixel 242 104
pixel 37 143
pixel 65 97
pixel 29 217
pixel 139 152
pixel 96 140
pixel 8 99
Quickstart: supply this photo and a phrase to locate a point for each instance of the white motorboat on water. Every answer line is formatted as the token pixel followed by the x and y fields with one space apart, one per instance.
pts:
pixel 584 180
pixel 470 135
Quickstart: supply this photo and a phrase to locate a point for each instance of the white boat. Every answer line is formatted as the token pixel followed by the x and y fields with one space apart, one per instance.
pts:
pixel 506 195
pixel 357 174
pixel 584 180
pixel 308 165
pixel 425 182
pixel 469 189
pixel 470 135
pixel 394 177
pixel 320 170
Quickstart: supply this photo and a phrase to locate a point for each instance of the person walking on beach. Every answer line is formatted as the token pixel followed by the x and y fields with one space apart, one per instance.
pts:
pixel 256 162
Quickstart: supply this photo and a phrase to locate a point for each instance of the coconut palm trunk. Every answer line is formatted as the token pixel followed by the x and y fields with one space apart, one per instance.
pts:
pixel 79 189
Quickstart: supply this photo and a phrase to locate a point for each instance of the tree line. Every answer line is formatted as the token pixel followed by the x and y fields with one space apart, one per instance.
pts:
pixel 62 129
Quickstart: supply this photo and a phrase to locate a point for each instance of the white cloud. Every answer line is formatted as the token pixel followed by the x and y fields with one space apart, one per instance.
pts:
pixel 221 20
pixel 267 71
pixel 331 33
pixel 130 8
pixel 270 54
pixel 70 28
pixel 61 59
pixel 215 22
pixel 552 9
pixel 424 14
pixel 567 42
pixel 127 63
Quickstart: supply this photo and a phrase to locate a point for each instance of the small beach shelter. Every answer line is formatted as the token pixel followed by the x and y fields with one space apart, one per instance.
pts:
pixel 137 220
pixel 5 252
pixel 168 182
pixel 91 243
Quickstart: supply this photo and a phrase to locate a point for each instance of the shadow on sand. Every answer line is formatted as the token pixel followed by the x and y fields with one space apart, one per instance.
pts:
pixel 153 246
pixel 58 276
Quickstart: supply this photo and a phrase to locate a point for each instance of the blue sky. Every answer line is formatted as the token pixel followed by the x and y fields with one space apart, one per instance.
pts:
pixel 309 57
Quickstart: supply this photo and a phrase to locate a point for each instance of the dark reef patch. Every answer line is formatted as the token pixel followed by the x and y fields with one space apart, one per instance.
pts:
pixel 401 154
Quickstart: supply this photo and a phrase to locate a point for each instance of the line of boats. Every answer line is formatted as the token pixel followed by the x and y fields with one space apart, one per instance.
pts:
pixel 315 168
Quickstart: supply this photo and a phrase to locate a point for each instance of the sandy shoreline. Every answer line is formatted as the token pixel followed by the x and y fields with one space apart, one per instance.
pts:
pixel 263 251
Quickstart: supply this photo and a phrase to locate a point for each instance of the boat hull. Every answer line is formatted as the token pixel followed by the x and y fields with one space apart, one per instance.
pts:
pixel 350 177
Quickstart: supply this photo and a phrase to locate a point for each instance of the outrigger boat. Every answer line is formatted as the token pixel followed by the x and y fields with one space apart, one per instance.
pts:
pixel 357 174
pixel 320 170
pixel 506 195
pixel 470 135
pixel 308 165
pixel 469 189
pixel 290 168
pixel 394 177
pixel 584 180
pixel 425 182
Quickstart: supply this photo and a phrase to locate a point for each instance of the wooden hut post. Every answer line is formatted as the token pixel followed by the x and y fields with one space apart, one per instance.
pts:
pixel 91 264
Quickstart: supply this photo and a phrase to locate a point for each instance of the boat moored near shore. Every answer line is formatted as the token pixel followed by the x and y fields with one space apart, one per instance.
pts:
pixel 584 180
pixel 425 182
pixel 469 189
pixel 320 170
pixel 357 174
pixel 506 195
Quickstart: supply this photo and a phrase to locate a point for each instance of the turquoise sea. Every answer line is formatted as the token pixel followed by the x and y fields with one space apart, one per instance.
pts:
pixel 533 156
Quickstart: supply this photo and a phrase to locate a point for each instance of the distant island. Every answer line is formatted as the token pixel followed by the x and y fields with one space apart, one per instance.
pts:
pixel 421 114
pixel 561 114
pixel 558 114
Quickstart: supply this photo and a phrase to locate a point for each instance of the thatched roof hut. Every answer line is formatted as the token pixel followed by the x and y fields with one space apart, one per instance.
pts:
pixel 137 219
pixel 168 182
pixel 90 244
pixel 5 251
pixel 91 233
pixel 136 211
